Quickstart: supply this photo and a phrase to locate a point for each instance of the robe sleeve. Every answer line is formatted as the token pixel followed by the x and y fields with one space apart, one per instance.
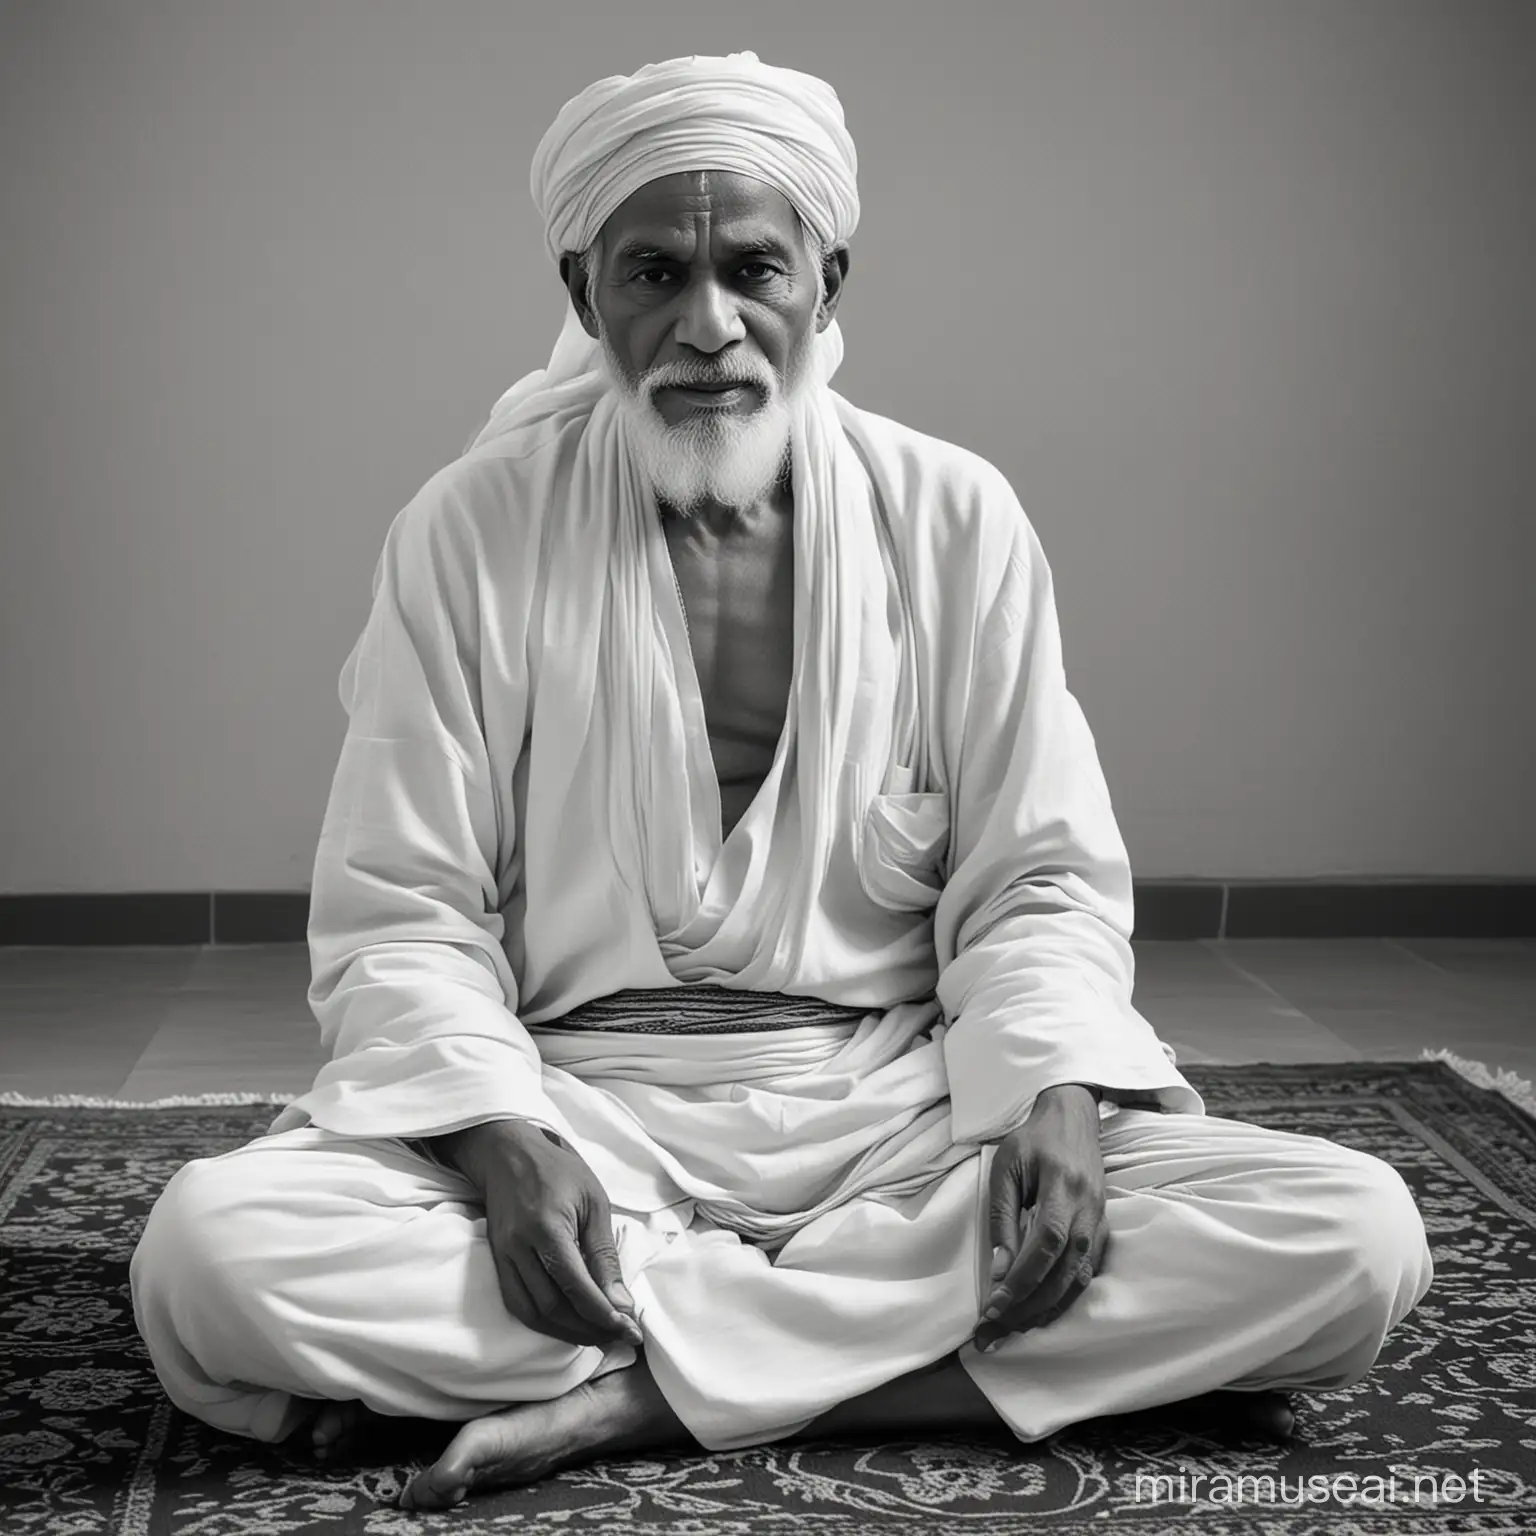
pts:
pixel 1034 923
pixel 411 985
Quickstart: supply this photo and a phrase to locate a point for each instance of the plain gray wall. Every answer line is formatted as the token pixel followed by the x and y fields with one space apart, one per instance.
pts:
pixel 1237 292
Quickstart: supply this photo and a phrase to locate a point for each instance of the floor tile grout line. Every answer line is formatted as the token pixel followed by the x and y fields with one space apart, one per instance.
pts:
pixel 1484 1013
pixel 1460 985
pixel 1422 960
pixel 1264 986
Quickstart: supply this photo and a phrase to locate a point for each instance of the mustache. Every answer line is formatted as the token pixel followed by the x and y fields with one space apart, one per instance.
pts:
pixel 684 378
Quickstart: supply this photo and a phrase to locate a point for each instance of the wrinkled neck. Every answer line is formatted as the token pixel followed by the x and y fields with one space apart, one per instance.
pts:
pixel 716 522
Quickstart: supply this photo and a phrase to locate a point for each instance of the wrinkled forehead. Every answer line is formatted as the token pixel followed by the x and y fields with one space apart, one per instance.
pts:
pixel 744 216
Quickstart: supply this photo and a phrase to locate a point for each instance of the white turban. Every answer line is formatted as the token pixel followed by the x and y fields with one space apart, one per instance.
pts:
pixel 696 114
pixel 699 113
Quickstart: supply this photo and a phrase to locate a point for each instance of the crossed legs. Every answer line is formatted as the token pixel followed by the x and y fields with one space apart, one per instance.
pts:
pixel 308 1266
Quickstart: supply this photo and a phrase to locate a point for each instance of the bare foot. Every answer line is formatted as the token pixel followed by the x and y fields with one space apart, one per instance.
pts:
pixel 622 1411
pixel 336 1427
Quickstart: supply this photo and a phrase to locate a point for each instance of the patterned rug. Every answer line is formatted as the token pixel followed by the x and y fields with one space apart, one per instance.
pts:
pixel 1440 1437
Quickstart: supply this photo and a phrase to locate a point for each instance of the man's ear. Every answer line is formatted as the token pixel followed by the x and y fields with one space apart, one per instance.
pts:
pixel 573 275
pixel 834 271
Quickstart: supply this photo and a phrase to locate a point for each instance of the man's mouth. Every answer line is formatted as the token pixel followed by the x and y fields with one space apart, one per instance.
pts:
pixel 709 394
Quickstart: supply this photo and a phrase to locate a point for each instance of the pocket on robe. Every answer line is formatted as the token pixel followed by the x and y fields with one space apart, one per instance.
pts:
pixel 903 842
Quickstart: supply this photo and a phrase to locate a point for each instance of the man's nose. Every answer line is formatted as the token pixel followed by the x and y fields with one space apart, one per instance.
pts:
pixel 709 320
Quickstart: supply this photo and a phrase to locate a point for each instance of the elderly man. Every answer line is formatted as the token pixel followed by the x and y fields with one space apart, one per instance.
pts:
pixel 720 928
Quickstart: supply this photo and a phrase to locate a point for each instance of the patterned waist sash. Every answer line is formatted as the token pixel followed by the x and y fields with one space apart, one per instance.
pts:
pixel 701 1010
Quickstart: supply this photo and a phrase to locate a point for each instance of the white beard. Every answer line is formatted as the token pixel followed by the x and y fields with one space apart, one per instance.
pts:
pixel 712 455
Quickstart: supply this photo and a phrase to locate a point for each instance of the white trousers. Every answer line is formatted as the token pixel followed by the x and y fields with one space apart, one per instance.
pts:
pixel 308 1265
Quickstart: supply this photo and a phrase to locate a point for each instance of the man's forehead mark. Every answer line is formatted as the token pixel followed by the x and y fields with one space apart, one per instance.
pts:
pixel 651 247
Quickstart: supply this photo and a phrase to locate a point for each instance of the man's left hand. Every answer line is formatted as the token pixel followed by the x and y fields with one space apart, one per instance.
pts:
pixel 1047 1214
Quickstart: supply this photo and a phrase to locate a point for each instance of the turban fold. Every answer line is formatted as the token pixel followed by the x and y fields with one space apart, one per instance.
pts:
pixel 699 113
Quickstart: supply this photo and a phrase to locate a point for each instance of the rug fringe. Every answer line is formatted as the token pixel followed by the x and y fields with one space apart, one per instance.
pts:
pixel 10 1100
pixel 1515 1088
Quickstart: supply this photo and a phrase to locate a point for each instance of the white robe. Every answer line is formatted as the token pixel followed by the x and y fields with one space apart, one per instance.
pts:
pixel 516 827
pixel 485 864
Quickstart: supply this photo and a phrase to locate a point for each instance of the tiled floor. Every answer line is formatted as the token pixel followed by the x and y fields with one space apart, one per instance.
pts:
pixel 146 1023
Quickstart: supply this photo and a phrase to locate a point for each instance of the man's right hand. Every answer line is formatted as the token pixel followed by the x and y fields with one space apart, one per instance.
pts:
pixel 550 1229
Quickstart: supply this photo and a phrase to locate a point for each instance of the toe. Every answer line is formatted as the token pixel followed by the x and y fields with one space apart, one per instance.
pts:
pixel 334 1427
pixel 470 1451
pixel 448 1480
pixel 434 1488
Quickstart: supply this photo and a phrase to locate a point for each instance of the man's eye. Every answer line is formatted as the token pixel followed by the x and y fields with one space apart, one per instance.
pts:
pixel 752 271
